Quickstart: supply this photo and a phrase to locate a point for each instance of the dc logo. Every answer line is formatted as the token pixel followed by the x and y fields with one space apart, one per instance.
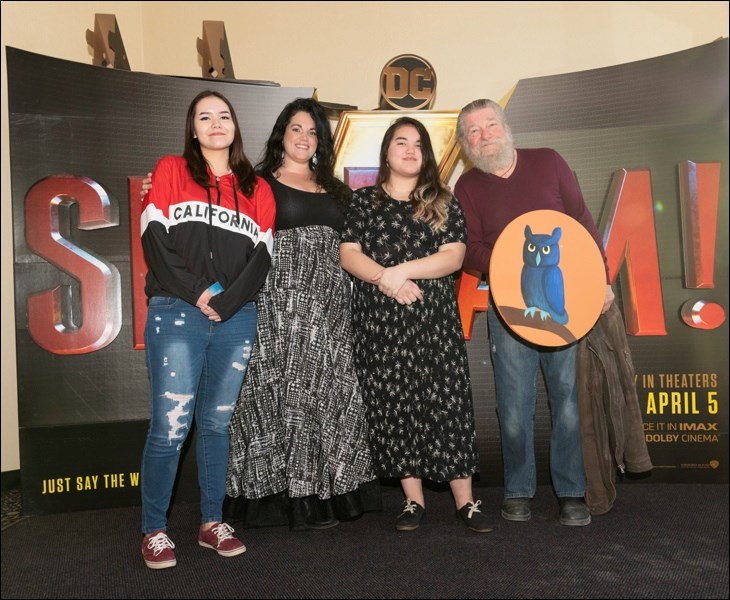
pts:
pixel 407 82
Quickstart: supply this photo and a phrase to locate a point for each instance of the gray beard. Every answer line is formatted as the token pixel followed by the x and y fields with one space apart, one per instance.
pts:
pixel 497 162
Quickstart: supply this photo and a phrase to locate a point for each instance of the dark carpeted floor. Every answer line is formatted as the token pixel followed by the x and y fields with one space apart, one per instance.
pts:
pixel 659 541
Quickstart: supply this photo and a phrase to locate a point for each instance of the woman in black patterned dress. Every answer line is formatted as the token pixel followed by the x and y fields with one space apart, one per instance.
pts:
pixel 404 238
pixel 298 434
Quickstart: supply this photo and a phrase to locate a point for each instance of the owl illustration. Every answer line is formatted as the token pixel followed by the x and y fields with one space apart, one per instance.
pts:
pixel 542 279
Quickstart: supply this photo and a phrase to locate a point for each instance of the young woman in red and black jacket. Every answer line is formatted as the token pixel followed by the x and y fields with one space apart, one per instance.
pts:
pixel 207 235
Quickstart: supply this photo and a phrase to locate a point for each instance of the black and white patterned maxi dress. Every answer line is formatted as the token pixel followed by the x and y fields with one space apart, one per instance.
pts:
pixel 299 424
pixel 411 359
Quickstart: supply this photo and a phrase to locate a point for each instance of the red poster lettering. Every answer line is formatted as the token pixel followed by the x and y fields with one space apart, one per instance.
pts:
pixel 50 322
pixel 629 235
pixel 471 300
pixel 138 264
pixel 699 195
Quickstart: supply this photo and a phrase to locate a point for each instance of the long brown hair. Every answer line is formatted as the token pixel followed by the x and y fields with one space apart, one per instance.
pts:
pixel 239 164
pixel 430 198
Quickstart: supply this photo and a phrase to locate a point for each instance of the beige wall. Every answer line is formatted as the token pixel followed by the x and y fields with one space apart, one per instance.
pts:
pixel 477 49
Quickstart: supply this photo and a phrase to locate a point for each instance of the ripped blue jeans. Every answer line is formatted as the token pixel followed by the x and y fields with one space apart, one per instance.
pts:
pixel 196 369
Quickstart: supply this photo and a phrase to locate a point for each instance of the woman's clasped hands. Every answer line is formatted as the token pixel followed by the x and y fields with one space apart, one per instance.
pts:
pixel 394 284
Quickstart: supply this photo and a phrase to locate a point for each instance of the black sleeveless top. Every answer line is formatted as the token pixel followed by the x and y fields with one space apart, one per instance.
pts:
pixel 297 208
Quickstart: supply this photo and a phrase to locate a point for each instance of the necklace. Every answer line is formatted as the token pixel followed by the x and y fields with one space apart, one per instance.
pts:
pixel 512 164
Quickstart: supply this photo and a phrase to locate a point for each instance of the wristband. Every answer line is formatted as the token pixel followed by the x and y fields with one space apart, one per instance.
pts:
pixel 215 289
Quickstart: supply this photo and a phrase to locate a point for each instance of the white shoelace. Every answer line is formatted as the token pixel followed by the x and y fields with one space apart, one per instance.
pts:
pixel 223 531
pixel 159 542
pixel 410 506
pixel 473 508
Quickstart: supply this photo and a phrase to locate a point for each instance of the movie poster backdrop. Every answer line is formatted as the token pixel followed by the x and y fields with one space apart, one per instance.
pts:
pixel 81 139
pixel 648 143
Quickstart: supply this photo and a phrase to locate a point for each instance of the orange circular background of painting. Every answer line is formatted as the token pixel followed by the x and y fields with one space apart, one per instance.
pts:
pixel 584 278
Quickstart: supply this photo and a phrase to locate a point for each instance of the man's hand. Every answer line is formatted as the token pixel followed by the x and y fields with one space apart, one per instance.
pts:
pixel 608 301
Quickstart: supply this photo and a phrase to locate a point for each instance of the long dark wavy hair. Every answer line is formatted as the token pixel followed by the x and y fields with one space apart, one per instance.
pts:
pixel 323 167
pixel 430 198
pixel 237 161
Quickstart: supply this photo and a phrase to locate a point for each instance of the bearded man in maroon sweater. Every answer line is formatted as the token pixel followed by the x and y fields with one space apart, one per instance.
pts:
pixel 505 183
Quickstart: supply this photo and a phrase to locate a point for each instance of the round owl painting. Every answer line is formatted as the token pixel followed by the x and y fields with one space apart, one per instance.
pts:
pixel 547 278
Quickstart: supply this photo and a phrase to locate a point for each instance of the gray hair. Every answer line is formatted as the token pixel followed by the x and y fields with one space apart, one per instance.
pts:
pixel 473 107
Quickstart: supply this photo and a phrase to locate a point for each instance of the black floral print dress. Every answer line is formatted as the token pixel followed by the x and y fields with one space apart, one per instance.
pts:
pixel 411 360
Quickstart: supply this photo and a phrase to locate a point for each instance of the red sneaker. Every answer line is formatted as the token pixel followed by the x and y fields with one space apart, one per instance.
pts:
pixel 221 539
pixel 158 550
